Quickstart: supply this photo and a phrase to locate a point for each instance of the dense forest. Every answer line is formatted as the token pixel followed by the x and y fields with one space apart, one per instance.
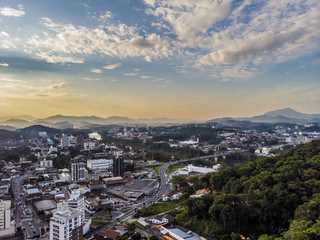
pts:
pixel 265 198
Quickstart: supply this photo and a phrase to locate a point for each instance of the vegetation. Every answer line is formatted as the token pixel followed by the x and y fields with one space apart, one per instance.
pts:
pixel 174 167
pixel 259 198
pixel 156 168
pixel 157 208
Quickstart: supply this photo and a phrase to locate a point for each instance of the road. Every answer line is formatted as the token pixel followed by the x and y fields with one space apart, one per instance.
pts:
pixel 164 187
pixel 23 212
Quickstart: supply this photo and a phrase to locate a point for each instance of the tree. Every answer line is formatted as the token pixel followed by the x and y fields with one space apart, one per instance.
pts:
pixel 136 236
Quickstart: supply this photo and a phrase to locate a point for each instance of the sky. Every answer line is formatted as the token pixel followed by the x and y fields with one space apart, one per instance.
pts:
pixel 159 58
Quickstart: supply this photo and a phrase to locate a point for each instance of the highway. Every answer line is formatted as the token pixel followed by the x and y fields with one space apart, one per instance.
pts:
pixel 164 187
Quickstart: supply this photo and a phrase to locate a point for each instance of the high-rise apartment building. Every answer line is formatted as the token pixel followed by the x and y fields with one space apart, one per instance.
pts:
pixel 76 201
pixel 118 166
pixel 77 172
pixel 66 223
pixel 4 214
pixel 65 140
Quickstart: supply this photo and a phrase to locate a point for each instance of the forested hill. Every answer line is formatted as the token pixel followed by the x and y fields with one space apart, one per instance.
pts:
pixel 266 198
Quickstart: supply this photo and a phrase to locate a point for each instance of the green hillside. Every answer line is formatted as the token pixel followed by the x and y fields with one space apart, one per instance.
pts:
pixel 266 198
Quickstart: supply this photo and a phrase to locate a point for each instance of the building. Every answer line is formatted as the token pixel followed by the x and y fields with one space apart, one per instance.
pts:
pixel 89 145
pixel 178 233
pixel 77 172
pixel 66 140
pixel 46 163
pixel 43 134
pixel 118 166
pixel 76 201
pixel 98 165
pixel 5 214
pixel 66 223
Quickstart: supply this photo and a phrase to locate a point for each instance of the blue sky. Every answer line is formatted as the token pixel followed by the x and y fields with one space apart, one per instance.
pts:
pixel 158 58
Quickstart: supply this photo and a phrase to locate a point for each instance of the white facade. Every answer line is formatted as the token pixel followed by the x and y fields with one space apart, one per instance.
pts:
pixel 89 145
pixel 5 214
pixel 66 223
pixel 99 164
pixel 76 201
pixel 66 140
pixel 43 134
pixel 77 172
pixel 46 163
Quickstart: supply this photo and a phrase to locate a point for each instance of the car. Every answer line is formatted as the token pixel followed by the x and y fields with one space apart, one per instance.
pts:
pixel 30 223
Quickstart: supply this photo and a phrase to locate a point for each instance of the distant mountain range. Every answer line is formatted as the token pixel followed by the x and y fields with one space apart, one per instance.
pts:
pixel 286 115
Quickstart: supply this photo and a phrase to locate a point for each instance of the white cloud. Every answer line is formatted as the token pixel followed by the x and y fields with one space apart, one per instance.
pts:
pixel 115 40
pixel 96 70
pixel 59 86
pixel 104 16
pixel 4 65
pixel 146 77
pixel 112 66
pixel 4 34
pixel 58 59
pixel 130 74
pixel 11 12
pixel 188 18
pixel 91 79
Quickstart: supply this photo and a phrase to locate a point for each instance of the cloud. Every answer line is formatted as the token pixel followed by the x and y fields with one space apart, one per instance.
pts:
pixel 130 74
pixel 114 40
pixel 112 66
pixel 4 65
pixel 58 59
pixel 91 79
pixel 96 70
pixel 103 17
pixel 146 77
pixel 59 86
pixel 11 12
pixel 4 34
pixel 189 18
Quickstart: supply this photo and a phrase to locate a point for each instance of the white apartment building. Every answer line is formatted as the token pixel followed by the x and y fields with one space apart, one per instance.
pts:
pixel 99 164
pixel 66 140
pixel 76 201
pixel 4 214
pixel 46 163
pixel 89 145
pixel 77 171
pixel 66 223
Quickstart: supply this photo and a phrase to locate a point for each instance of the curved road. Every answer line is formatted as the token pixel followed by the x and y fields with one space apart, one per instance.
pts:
pixel 164 187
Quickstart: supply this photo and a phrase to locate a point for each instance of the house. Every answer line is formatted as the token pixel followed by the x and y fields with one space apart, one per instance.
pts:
pixel 171 196
pixel 200 193
pixel 108 234
pixel 157 219
pixel 112 232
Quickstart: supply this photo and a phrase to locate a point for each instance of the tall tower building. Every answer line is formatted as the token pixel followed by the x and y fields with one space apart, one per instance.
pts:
pixel 118 166
pixel 65 141
pixel 4 214
pixel 76 201
pixel 77 172
pixel 66 223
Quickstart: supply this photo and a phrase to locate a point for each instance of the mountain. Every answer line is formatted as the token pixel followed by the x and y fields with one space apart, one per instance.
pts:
pixel 21 117
pixel 18 123
pixel 285 115
pixel 290 113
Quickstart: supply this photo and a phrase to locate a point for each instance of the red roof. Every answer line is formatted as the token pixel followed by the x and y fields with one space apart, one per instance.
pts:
pixel 202 191
pixel 109 234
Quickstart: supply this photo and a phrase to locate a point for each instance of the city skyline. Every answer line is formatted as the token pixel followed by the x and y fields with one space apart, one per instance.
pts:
pixel 158 58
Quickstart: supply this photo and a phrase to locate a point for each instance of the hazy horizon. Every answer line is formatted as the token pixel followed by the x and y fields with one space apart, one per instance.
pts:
pixel 158 58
